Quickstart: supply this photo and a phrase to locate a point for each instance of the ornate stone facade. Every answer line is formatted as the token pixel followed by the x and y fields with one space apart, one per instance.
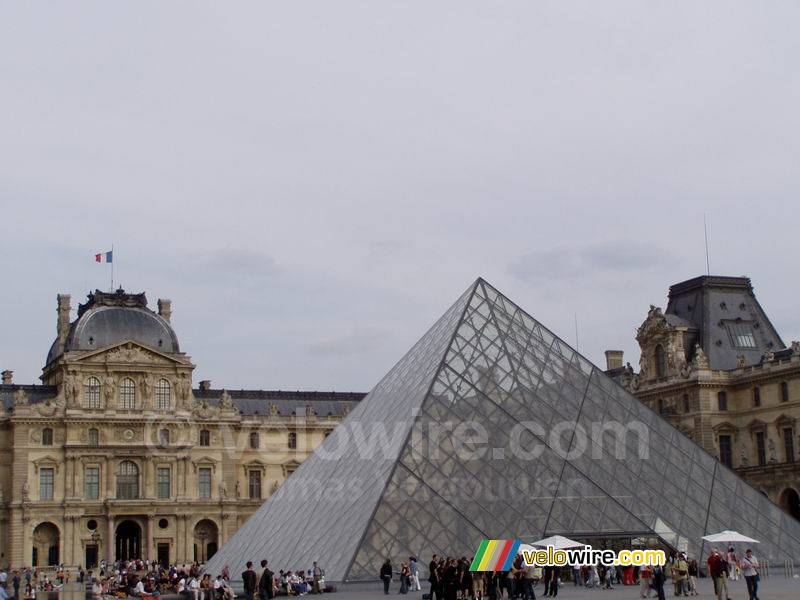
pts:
pixel 713 365
pixel 116 455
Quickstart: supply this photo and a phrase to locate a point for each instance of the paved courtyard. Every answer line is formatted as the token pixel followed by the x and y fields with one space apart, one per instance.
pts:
pixel 773 588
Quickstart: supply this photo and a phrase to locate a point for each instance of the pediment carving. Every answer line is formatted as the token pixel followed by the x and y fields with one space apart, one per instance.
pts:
pixel 129 352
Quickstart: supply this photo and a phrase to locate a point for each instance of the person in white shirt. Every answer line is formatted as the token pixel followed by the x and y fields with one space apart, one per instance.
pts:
pixel 749 565
pixel 194 588
pixel 139 589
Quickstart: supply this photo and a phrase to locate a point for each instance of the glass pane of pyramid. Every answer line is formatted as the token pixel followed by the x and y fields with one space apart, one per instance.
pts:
pixel 497 429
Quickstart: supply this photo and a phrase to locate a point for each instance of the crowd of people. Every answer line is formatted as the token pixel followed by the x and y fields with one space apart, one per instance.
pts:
pixel 451 579
pixel 268 584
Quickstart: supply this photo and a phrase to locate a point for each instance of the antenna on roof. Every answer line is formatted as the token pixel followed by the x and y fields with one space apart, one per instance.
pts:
pixel 705 230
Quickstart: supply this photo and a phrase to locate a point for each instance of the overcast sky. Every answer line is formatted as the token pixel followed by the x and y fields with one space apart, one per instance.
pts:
pixel 314 183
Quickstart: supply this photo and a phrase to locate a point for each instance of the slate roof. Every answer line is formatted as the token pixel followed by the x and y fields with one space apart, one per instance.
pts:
pixel 719 308
pixel 36 393
pixel 256 402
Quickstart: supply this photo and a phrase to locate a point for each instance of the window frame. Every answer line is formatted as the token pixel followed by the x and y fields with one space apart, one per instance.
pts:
pixel 722 401
pixel 93 436
pixel 47 488
pixel 726 450
pixel 204 488
pixel 163 394
pixel 204 438
pixel 127 394
pixel 756 396
pixel 784 391
pixel 91 489
pixel 91 393
pixel 128 488
pixel 292 441
pixel 254 484
pixel 163 484
pixel 47 436
pixel 254 441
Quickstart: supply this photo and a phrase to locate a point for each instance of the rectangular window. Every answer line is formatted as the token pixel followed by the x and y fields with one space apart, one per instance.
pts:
pixel 725 454
pixel 788 444
pixel 742 335
pixel 204 483
pixel 163 483
pixel 756 396
pixel 255 485
pixel 761 448
pixel 91 478
pixel 46 478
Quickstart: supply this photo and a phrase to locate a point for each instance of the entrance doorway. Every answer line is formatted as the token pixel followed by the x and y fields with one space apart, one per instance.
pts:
pixel 163 555
pixel 46 541
pixel 205 540
pixel 129 540
pixel 91 556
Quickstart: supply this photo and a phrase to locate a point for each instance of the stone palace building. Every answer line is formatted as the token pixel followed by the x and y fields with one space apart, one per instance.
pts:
pixel 714 366
pixel 116 455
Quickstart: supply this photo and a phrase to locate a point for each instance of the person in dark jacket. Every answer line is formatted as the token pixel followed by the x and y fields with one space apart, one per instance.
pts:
pixel 386 575
pixel 249 580
pixel 266 586
pixel 434 577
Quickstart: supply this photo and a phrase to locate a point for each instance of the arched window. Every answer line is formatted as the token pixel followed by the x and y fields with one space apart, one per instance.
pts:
pixel 661 361
pixel 756 396
pixel 47 437
pixel 722 400
pixel 205 437
pixel 94 437
pixel 127 481
pixel 127 394
pixel 91 393
pixel 784 391
pixel 292 441
pixel 254 440
pixel 162 394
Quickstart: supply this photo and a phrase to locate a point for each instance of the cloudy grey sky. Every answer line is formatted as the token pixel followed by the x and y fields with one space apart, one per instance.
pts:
pixel 314 183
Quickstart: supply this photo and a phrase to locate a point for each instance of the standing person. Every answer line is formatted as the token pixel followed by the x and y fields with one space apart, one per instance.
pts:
pixel 15 581
pixel 249 580
pixel 478 585
pixel 554 583
pixel 434 578
pixel 718 572
pixel 644 581
pixel 733 564
pixel 750 572
pixel 413 567
pixel 681 570
pixel 693 577
pixel 527 583
pixel 266 585
pixel 405 575
pixel 659 578
pixel 316 573
pixel 386 575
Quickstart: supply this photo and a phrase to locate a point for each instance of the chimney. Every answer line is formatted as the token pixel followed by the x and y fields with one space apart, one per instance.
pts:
pixel 8 377
pixel 165 309
pixel 62 325
pixel 205 385
pixel 613 359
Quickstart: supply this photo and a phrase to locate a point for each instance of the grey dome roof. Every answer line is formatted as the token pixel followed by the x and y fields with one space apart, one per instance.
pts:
pixel 108 319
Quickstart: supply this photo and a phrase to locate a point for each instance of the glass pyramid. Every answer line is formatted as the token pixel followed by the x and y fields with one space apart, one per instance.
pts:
pixel 425 484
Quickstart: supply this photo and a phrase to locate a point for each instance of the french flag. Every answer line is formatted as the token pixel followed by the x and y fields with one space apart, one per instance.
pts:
pixel 104 257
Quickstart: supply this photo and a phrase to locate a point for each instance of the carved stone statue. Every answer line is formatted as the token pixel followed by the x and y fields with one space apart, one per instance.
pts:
pixel 700 359
pixel 72 389
pixel 238 489
pixel 773 453
pixel 741 361
pixel 275 486
pixel 223 489
pixel 148 385
pixel 225 400
pixel 745 462
pixel 795 348
pixel 273 409
pixel 26 491
pixel 768 356
pixel 184 388
pixel 108 389
pixel 20 397
pixel 310 412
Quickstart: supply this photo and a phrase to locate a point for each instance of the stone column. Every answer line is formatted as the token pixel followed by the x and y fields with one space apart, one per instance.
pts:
pixel 109 478
pixel 69 478
pixel 149 545
pixel 27 543
pixel 110 541
pixel 150 483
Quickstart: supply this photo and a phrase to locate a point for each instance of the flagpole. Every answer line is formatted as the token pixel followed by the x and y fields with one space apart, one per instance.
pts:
pixel 112 268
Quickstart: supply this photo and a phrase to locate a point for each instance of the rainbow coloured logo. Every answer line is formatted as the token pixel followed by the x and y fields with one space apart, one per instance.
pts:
pixel 495 555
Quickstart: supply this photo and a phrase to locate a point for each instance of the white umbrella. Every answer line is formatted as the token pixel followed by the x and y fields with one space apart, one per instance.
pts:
pixel 729 537
pixel 559 542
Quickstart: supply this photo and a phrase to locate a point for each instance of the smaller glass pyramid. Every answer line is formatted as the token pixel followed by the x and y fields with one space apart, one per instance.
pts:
pixel 491 427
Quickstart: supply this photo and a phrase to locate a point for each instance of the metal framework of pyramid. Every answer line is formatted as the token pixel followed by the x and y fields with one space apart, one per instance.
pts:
pixel 487 361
